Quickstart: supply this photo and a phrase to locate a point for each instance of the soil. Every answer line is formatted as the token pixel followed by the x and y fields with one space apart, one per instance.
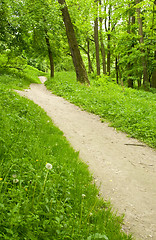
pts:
pixel 123 168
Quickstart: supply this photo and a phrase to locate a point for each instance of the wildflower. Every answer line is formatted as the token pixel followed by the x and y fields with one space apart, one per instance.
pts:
pixel 36 160
pixel 83 195
pixel 48 166
pixel 15 180
pixel 14 176
pixel 1 179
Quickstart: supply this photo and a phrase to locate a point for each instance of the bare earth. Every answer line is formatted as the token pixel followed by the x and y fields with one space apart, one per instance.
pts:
pixel 124 168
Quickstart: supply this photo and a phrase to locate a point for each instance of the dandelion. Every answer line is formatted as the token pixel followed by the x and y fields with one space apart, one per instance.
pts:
pixel 14 176
pixel 48 166
pixel 1 179
pixel 83 195
pixel 15 180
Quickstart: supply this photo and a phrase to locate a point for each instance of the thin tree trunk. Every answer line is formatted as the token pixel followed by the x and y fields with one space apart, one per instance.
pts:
pixel 96 39
pixel 102 44
pixel 108 53
pixel 140 31
pixel 80 69
pixel 153 82
pixel 117 70
pixel 90 68
pixel 108 41
pixel 50 55
pixel 129 66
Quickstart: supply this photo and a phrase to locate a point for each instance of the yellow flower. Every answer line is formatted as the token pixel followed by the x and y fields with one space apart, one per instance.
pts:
pixel 1 179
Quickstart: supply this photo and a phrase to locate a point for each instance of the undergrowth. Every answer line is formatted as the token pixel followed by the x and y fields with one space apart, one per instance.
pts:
pixel 129 110
pixel 46 191
pixel 19 79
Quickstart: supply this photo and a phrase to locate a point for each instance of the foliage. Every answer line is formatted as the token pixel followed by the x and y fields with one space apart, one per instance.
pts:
pixel 46 191
pixel 15 79
pixel 129 110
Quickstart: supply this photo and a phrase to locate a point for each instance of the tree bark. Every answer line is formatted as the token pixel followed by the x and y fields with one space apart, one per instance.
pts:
pixel 108 53
pixel 90 68
pixel 108 41
pixel 50 55
pixel 102 44
pixel 117 70
pixel 80 69
pixel 153 82
pixel 96 39
pixel 129 66
pixel 141 40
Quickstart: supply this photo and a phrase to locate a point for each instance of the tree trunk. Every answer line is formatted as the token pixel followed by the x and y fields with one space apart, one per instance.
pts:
pixel 140 31
pixel 108 41
pixel 90 68
pixel 80 69
pixel 117 70
pixel 96 39
pixel 102 44
pixel 129 66
pixel 153 82
pixel 50 56
pixel 108 53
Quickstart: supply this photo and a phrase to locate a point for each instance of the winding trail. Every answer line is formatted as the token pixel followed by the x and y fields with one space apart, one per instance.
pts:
pixel 124 168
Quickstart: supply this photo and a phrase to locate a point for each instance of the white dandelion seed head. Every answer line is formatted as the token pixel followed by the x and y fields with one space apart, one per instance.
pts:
pixel 14 176
pixel 15 180
pixel 83 195
pixel 48 166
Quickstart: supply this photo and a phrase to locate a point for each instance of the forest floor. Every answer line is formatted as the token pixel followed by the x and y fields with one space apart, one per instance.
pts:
pixel 124 168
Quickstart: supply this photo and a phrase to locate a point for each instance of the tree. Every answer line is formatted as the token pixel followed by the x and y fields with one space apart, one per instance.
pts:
pixel 141 40
pixel 75 52
pixel 101 40
pixel 96 39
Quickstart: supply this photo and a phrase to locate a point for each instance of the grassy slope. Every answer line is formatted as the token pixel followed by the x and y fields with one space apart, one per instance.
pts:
pixel 128 110
pixel 37 203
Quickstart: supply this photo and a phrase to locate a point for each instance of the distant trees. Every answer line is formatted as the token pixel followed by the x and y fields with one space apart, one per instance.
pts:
pixel 115 36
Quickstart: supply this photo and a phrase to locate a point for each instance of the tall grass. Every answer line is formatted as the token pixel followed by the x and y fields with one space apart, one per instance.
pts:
pixel 129 110
pixel 46 191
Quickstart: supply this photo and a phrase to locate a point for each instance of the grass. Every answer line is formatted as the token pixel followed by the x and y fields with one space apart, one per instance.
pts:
pixel 128 110
pixel 19 79
pixel 46 191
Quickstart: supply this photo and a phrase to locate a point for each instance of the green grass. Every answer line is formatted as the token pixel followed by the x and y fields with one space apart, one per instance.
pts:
pixel 129 110
pixel 19 79
pixel 38 203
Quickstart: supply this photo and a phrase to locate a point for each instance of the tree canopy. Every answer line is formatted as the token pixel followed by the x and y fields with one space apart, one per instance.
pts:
pixel 114 38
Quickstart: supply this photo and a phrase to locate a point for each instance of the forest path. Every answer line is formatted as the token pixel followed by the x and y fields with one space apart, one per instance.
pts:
pixel 124 168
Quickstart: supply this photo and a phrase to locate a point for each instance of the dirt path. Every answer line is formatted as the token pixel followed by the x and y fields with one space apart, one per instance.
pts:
pixel 125 168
